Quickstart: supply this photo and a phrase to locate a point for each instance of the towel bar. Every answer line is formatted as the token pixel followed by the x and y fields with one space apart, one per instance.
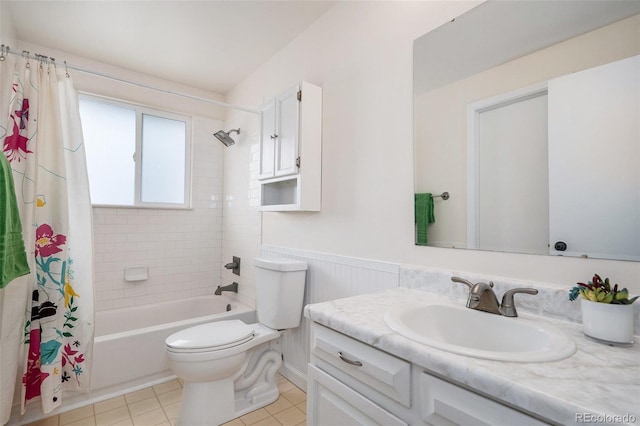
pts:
pixel 444 196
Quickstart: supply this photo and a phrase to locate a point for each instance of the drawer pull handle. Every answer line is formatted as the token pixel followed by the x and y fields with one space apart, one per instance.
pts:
pixel 349 361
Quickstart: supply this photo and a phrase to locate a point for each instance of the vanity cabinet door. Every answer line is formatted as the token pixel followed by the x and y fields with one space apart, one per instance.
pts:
pixel 330 402
pixel 444 403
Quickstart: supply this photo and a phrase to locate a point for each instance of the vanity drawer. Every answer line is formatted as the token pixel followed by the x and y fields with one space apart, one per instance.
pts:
pixel 331 402
pixel 382 372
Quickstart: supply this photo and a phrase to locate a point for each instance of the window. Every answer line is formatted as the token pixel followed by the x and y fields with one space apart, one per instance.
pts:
pixel 135 156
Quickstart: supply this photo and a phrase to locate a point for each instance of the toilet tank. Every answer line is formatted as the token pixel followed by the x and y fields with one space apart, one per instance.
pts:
pixel 279 291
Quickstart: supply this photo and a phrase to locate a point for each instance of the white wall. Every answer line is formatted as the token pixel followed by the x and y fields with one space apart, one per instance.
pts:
pixel 361 54
pixel 7 30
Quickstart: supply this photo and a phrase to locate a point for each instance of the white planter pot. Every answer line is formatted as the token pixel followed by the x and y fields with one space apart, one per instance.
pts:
pixel 608 323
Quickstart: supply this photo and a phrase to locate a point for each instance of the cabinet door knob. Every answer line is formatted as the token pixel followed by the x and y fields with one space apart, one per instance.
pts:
pixel 274 136
pixel 349 361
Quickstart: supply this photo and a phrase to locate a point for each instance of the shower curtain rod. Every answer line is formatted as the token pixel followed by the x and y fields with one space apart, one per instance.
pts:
pixel 26 54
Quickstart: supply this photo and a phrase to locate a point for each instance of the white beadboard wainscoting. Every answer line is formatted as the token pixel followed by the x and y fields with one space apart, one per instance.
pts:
pixel 329 277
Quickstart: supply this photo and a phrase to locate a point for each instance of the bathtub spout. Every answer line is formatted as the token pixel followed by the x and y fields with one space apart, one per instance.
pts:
pixel 231 287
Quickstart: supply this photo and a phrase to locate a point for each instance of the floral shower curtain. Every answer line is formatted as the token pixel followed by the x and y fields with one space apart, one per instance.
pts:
pixel 52 331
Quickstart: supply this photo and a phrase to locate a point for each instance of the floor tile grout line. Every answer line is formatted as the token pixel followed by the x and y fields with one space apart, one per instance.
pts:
pixel 271 416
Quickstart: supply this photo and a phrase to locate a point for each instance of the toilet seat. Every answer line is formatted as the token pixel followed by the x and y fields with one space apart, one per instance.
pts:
pixel 214 336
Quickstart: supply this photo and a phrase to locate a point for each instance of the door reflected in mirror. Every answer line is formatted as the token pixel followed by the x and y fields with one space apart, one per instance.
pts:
pixel 527 113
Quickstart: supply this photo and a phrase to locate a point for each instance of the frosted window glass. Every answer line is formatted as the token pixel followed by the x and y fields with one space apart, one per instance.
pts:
pixel 163 160
pixel 110 142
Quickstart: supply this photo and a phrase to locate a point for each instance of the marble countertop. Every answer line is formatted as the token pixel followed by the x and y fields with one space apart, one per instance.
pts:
pixel 599 382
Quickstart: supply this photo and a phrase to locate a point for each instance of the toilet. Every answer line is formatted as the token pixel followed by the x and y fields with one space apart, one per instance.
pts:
pixel 228 367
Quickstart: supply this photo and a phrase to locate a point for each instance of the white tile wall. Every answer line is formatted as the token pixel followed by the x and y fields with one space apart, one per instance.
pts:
pixel 182 248
pixel 241 228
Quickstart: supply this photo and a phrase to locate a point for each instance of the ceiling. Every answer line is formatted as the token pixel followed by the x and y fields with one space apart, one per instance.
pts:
pixel 206 44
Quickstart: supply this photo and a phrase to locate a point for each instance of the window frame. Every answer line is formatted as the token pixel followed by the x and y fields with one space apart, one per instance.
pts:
pixel 141 110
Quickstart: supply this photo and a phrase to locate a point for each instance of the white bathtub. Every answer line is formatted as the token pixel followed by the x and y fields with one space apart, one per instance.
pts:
pixel 129 350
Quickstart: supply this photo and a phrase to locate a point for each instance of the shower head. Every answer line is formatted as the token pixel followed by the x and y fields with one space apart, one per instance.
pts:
pixel 224 137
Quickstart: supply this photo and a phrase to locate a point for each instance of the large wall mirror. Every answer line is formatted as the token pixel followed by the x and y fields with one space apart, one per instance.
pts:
pixel 527 114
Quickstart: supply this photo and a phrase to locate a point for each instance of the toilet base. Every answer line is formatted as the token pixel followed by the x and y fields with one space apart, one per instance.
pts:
pixel 255 386
pixel 208 403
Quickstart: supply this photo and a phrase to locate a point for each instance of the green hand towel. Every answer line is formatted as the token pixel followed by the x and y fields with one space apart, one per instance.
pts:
pixel 13 258
pixel 424 215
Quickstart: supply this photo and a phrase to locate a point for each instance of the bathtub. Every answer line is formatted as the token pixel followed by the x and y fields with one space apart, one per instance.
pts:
pixel 129 348
pixel 128 352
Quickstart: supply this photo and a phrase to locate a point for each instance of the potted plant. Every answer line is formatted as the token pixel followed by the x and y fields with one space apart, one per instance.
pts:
pixel 607 312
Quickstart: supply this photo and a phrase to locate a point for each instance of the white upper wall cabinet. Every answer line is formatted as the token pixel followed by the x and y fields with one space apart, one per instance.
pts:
pixel 290 150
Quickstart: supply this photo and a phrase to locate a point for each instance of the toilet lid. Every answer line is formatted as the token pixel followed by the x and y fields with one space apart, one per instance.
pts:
pixel 211 336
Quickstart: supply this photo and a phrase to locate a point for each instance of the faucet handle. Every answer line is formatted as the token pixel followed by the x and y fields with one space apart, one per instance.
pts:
pixel 508 307
pixel 462 281
pixel 467 282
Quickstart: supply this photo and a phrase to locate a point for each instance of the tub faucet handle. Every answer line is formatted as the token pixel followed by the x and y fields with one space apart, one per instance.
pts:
pixel 234 266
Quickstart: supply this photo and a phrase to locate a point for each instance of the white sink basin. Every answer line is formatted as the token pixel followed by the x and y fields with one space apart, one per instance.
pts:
pixel 478 334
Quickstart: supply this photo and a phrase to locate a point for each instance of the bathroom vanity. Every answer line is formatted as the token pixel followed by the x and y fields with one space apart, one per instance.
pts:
pixel 363 372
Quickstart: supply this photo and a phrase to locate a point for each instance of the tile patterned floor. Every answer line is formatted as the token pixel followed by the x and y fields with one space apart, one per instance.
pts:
pixel 159 405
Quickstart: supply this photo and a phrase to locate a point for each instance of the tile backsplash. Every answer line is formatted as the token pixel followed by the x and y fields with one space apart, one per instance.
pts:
pixel 551 301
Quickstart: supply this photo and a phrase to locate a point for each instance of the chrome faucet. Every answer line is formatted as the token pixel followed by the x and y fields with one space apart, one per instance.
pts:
pixel 483 298
pixel 231 287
